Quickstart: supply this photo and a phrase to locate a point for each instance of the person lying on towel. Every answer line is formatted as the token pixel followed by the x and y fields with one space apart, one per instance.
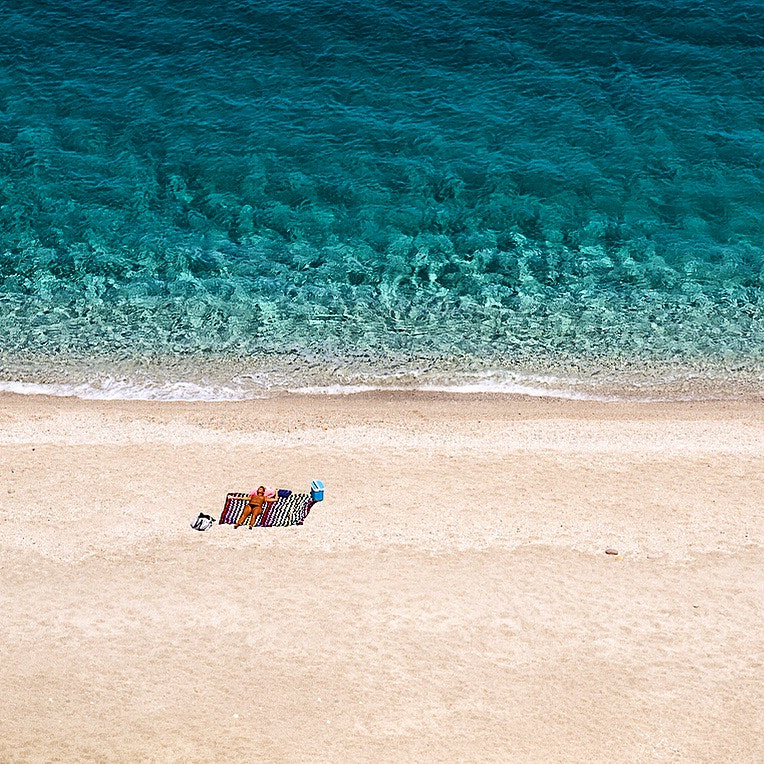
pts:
pixel 254 508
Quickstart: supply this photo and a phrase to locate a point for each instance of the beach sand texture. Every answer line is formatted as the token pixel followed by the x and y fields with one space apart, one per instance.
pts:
pixel 450 600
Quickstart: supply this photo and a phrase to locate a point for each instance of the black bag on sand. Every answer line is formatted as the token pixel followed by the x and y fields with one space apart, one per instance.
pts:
pixel 203 522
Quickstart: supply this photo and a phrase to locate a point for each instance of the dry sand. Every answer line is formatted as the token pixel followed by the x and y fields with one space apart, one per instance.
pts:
pixel 450 600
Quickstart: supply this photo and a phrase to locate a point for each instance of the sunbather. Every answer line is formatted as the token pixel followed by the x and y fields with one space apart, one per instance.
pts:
pixel 255 507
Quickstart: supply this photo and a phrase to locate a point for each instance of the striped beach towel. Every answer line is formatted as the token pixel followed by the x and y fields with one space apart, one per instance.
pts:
pixel 286 510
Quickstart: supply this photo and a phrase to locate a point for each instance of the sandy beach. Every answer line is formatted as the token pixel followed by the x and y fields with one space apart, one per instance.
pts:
pixel 449 600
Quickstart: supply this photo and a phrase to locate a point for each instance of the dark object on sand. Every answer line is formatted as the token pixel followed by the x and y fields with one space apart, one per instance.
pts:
pixel 203 522
pixel 611 551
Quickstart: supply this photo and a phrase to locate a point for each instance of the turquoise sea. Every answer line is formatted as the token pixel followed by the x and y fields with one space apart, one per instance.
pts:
pixel 232 199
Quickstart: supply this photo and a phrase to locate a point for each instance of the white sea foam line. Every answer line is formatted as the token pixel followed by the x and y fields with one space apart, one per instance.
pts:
pixel 466 389
pixel 114 390
pixel 499 383
pixel 188 392
pixel 515 389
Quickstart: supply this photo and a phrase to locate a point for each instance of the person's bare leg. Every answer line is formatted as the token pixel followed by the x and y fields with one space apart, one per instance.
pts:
pixel 244 515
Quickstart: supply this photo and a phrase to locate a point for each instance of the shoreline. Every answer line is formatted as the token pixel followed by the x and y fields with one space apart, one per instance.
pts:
pixel 355 399
pixel 232 378
pixel 190 393
pixel 450 598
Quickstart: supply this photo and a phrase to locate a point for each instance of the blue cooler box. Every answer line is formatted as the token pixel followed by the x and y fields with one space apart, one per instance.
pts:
pixel 317 490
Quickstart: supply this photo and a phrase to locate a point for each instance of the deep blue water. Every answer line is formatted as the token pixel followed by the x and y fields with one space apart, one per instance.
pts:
pixel 505 185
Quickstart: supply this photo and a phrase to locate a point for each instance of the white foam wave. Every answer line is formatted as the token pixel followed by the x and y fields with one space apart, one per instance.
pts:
pixel 501 383
pixel 535 392
pixel 110 389
pixel 249 387
pixel 519 389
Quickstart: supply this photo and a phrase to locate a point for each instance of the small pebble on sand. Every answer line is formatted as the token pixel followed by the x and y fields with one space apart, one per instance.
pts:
pixel 611 551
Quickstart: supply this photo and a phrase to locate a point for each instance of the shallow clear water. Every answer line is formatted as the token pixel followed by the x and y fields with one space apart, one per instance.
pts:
pixel 341 192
